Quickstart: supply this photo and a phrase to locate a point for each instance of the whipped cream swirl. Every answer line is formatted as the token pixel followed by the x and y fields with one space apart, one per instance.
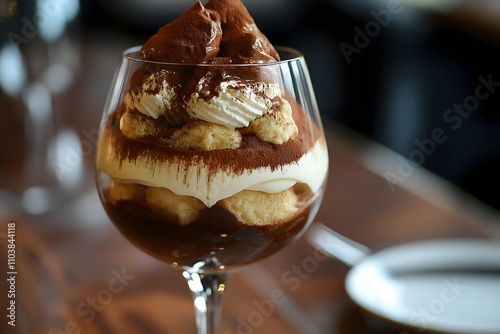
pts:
pixel 235 104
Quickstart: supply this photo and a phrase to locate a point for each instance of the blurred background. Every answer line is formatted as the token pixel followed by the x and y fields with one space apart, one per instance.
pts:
pixel 421 77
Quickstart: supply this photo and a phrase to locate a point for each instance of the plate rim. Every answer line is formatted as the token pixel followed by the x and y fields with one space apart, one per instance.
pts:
pixel 485 244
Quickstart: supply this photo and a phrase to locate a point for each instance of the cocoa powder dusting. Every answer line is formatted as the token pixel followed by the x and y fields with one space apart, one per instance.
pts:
pixel 192 38
pixel 252 153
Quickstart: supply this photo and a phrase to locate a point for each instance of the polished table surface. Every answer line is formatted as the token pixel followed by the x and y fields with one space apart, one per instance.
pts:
pixel 77 274
pixel 75 271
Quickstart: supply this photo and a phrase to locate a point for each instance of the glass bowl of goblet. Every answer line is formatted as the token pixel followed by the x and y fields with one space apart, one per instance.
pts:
pixel 204 184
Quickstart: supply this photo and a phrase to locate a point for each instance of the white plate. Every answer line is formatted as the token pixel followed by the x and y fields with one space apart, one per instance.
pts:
pixel 449 286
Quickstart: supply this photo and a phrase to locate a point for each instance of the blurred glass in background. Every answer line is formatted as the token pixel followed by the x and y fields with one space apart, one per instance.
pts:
pixel 39 60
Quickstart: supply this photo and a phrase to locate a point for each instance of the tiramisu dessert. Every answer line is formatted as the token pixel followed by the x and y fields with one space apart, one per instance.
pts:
pixel 208 161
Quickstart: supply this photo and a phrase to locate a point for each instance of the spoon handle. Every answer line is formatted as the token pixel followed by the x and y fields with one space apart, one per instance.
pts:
pixel 336 245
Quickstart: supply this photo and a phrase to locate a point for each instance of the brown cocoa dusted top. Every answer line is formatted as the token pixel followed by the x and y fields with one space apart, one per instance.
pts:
pixel 192 38
pixel 242 41
pixel 222 31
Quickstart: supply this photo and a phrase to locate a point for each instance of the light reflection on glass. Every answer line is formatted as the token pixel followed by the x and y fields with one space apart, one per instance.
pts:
pixel 35 200
pixel 66 158
pixel 52 17
pixel 58 77
pixel 12 73
pixel 39 103
pixel 200 304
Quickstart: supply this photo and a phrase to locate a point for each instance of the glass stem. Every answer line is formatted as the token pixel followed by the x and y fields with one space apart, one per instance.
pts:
pixel 207 290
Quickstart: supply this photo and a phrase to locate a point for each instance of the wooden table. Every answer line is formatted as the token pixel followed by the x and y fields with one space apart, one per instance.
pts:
pixel 73 274
pixel 77 274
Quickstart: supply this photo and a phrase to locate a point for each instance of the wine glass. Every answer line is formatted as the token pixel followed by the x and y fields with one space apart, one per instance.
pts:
pixel 209 211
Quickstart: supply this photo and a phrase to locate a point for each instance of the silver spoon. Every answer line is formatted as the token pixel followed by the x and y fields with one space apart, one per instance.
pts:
pixel 336 245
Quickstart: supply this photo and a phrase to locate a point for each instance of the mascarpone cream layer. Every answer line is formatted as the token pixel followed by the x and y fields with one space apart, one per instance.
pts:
pixel 206 185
